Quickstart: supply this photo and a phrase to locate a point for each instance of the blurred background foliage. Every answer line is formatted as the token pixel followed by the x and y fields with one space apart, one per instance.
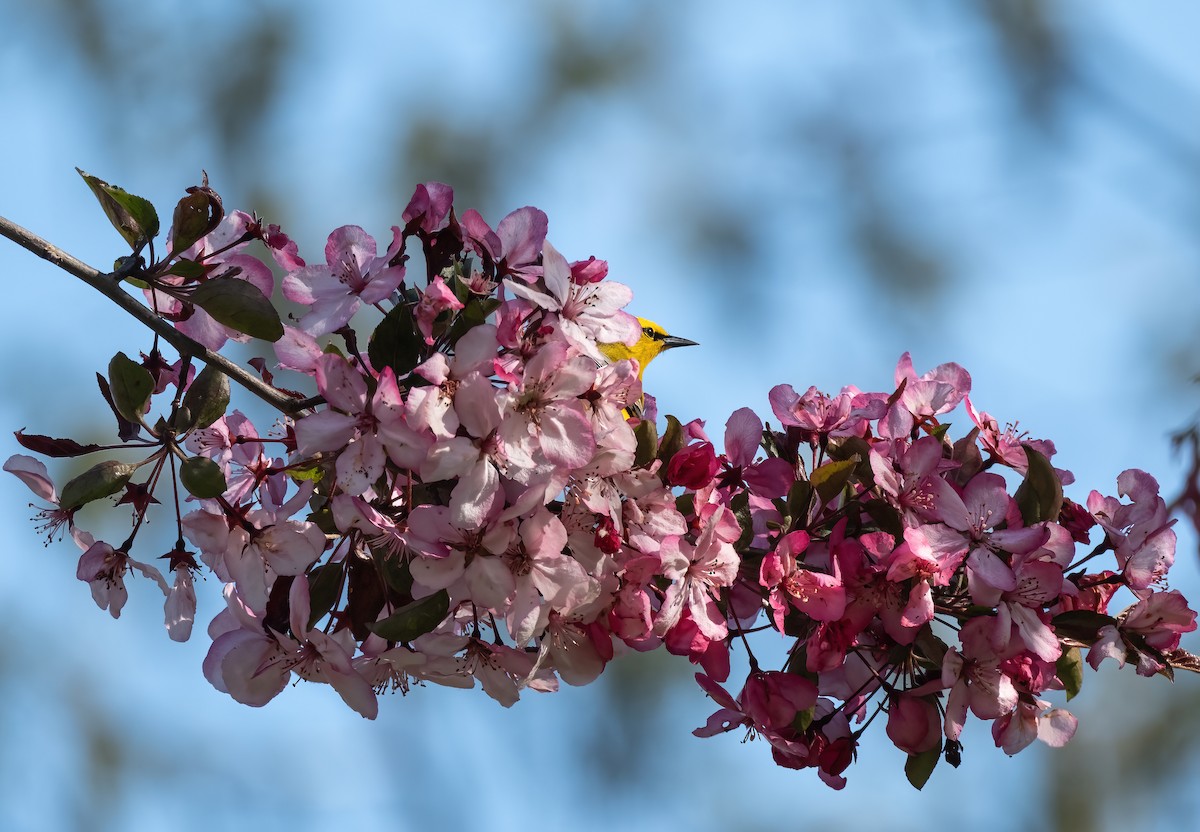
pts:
pixel 883 170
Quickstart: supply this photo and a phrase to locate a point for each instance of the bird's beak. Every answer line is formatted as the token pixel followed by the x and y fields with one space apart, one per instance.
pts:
pixel 672 341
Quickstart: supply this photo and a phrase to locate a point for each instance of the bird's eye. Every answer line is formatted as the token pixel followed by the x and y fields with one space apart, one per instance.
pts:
pixel 650 333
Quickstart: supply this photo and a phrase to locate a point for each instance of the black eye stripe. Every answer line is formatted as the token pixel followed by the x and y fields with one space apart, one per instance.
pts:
pixel 650 333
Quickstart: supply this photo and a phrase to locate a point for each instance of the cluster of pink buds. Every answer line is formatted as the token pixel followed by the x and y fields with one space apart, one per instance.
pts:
pixel 468 497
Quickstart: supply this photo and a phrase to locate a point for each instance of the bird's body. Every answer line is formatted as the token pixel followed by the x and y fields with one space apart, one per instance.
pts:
pixel 653 342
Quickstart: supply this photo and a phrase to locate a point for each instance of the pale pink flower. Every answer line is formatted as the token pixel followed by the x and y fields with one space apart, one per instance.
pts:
pixel 436 299
pixel 433 406
pixel 817 413
pixel 365 432
pixel 975 681
pixel 1031 721
pixel 351 276
pixel 938 391
pixel 696 573
pixel 33 473
pixel 545 413
pixel 515 244
pixel 585 313
pixel 1140 531
pixel 253 664
pixel 103 569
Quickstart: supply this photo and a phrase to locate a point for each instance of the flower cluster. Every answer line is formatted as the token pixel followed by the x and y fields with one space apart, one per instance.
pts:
pixel 470 499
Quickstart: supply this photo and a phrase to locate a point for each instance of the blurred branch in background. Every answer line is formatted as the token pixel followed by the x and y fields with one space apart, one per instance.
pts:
pixel 1140 764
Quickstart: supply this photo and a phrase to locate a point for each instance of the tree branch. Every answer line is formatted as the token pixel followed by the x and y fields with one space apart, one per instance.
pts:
pixel 109 286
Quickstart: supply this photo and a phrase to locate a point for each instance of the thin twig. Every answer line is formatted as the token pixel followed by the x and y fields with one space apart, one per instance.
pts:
pixel 107 285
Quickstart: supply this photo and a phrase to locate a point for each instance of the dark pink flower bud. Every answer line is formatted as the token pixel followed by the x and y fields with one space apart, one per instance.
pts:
pixel 694 467
pixel 1076 519
pixel 837 756
pixel 606 538
pixel 913 724
pixel 590 270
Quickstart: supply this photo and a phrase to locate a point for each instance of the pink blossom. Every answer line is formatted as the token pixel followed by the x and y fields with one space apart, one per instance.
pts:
pixel 33 473
pixel 585 313
pixel 433 406
pixel 820 596
pixel 103 569
pixel 253 664
pixel 768 703
pixel 1033 720
pixel 228 238
pixel 1157 621
pixel 771 477
pixel 364 435
pixel 545 414
pixel 1140 531
pixel 696 573
pixel 816 413
pixel 938 391
pixel 436 299
pixel 429 207
pixel 351 276
pixel 1020 610
pixel 976 681
pixel 904 476
pixel 515 244
pixel 686 639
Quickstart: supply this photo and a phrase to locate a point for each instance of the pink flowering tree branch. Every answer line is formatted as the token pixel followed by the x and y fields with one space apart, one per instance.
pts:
pixel 471 492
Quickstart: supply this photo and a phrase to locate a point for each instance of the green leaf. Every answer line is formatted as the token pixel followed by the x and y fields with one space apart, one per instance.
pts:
pixel 831 478
pixel 322 517
pixel 932 648
pixel 672 441
pixel 396 572
pixel 919 767
pixel 102 480
pixel 415 619
pixel 188 269
pixel 202 477
pixel 886 517
pixel 803 719
pixel 133 217
pixel 475 312
pixel 131 385
pixel 1081 625
pixel 799 501
pixel 740 505
pixel 1070 671
pixel 196 215
pixel 685 504
pixel 396 342
pixel 647 443
pixel 1040 495
pixel 206 398
pixel 939 432
pixel 324 589
pixel 239 305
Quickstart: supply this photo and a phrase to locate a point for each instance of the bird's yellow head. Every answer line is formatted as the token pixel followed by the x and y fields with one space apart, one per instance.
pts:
pixel 653 341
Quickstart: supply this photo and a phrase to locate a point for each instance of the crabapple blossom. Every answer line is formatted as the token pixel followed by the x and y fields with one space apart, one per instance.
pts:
pixel 352 275
pixel 461 497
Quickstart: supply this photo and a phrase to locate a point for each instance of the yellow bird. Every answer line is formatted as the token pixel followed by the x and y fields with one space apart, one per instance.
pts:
pixel 652 343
